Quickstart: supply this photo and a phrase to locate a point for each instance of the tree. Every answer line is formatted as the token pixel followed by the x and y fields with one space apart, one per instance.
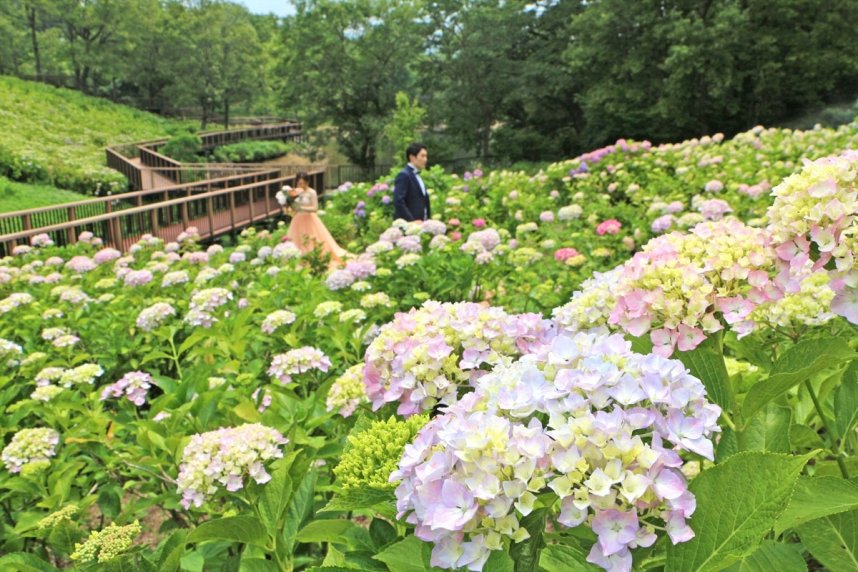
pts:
pixel 343 64
pixel 404 125
pixel 473 60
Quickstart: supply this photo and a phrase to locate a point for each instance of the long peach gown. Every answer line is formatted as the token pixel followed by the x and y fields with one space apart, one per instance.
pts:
pixel 308 231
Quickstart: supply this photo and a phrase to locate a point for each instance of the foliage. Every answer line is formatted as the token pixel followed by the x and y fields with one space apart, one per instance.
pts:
pixel 58 136
pixel 185 147
pixel 130 379
pixel 250 151
pixel 16 196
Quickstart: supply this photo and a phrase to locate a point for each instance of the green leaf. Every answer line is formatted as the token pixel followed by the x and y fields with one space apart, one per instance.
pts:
pixel 382 533
pixel 331 530
pixel 258 565
pixel 803 437
pixel 499 561
pixel 797 364
pixel 243 529
pixel 408 555
pixel 727 446
pixel 275 495
pixel 358 499
pixel 772 556
pixel 706 363
pixel 738 502
pixel 833 541
pixel 817 497
pixel 560 558
pixel 300 507
pixel 22 562
pixel 768 430
pixel 526 553
pixel 846 401
pixel 171 551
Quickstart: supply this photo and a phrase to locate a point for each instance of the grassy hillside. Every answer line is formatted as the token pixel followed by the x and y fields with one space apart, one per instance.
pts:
pixel 57 136
pixel 16 196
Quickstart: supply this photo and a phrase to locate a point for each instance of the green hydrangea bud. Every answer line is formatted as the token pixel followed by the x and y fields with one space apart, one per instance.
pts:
pixel 372 454
pixel 66 513
pixel 106 544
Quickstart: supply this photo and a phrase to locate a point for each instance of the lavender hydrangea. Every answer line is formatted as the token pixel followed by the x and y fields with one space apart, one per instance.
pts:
pixel 585 418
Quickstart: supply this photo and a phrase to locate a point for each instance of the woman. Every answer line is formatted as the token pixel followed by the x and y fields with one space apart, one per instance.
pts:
pixel 307 230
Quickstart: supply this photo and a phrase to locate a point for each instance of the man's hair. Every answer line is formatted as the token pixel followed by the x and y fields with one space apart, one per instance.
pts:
pixel 413 150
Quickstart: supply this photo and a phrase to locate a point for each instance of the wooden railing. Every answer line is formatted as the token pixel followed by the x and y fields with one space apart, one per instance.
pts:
pixel 35 219
pixel 214 212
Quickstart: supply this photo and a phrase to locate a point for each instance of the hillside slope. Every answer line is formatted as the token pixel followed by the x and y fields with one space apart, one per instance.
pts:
pixel 58 135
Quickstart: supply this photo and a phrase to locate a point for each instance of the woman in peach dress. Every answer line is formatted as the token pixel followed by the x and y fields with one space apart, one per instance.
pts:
pixel 307 230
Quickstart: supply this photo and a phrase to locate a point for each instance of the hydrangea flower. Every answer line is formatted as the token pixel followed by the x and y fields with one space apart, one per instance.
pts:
pixel 277 319
pixel 325 309
pixel 406 260
pixel 297 361
pixel 361 267
pixel 81 264
pixel 226 457
pixel 814 218
pixel 46 392
pixel 137 277
pixel 610 226
pixel 347 392
pixel 105 545
pixel 570 212
pixel 15 300
pixel 680 287
pixel 375 300
pixel 481 241
pixel 422 357
pixel 371 454
pixel 134 385
pixel 29 446
pixel 354 315
pixel 204 303
pixel 175 277
pixel 41 240
pixel 584 417
pixel 106 255
pixel 150 318
pixel 84 374
pixel 339 279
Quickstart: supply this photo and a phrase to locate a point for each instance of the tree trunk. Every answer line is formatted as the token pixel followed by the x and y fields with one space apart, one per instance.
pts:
pixel 226 112
pixel 31 20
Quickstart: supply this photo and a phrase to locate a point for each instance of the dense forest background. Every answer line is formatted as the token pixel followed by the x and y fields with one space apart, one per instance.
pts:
pixel 509 80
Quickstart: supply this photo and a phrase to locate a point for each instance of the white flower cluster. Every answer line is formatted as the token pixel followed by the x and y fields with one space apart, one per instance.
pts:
pixel 276 319
pixel 28 446
pixel 224 457
pixel 155 315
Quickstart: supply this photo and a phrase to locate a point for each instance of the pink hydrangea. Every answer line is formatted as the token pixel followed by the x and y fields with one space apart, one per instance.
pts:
pixel 134 385
pixel 610 226
pixel 563 254
pixel 297 361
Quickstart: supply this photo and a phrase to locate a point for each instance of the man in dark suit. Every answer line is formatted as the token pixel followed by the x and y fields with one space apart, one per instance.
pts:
pixel 410 198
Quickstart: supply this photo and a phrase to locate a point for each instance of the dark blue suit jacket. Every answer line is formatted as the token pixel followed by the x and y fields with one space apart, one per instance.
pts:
pixel 408 200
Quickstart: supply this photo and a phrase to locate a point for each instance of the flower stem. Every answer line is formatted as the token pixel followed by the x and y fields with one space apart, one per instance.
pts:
pixel 835 450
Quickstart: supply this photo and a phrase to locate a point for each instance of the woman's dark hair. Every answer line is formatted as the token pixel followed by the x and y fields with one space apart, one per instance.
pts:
pixel 302 175
pixel 413 150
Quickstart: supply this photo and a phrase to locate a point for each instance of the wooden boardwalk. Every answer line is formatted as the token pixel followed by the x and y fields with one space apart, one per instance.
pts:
pixel 209 227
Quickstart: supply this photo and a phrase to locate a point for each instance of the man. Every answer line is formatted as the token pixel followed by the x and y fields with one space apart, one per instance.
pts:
pixel 410 198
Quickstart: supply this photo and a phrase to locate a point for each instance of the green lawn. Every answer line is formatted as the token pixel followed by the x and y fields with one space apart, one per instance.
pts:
pixel 19 196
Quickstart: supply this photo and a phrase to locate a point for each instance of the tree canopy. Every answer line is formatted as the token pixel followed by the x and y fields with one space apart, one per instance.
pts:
pixel 509 79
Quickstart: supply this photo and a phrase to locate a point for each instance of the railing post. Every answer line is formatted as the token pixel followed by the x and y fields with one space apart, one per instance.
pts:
pixel 71 235
pixel 27 222
pixel 210 209
pixel 232 212
pixel 250 199
pixel 153 219
pixel 117 233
